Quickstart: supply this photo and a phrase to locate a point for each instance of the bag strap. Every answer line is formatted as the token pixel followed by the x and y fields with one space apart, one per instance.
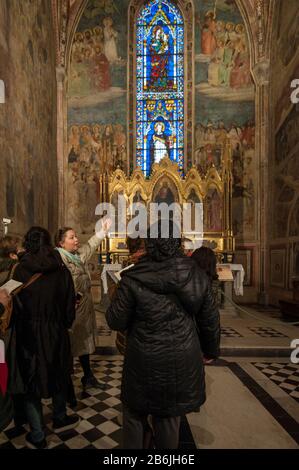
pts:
pixel 34 278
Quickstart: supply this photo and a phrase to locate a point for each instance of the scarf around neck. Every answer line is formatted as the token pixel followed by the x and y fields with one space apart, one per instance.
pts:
pixel 73 257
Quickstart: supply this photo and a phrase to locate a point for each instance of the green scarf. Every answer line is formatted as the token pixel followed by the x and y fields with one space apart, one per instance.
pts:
pixel 73 257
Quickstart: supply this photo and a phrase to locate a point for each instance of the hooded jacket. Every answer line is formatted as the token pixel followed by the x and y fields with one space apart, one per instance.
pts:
pixel 171 318
pixel 43 312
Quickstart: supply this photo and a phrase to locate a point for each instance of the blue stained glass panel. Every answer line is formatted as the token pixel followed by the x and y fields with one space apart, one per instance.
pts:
pixel 160 84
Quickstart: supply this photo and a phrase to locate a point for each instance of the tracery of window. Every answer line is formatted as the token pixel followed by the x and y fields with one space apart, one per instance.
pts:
pixel 159 84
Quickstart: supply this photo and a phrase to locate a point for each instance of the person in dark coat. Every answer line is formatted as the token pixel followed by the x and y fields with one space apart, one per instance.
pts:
pixel 11 251
pixel 166 305
pixel 43 312
pixel 6 410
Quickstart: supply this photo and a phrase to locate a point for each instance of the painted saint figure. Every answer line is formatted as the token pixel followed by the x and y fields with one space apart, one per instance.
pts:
pixel 110 35
pixel 159 50
pixel 159 144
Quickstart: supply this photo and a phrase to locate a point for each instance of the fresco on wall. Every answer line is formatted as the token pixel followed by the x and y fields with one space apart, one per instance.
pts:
pixel 286 188
pixel 224 103
pixel 27 68
pixel 97 138
pixel 287 29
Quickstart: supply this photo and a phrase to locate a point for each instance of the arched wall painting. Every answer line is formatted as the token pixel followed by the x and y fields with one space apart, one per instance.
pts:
pixel 97 106
pixel 224 103
pixel 97 114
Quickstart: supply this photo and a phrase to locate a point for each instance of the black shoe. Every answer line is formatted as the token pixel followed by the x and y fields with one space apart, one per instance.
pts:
pixel 35 445
pixel 69 422
pixel 92 382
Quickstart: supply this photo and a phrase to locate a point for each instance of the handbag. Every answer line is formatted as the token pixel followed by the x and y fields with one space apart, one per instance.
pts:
pixel 6 317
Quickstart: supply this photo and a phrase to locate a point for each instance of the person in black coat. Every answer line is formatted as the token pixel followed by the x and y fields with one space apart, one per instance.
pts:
pixel 43 312
pixel 6 410
pixel 166 305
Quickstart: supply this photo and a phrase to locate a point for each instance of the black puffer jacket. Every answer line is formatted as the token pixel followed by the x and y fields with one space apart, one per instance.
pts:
pixel 156 302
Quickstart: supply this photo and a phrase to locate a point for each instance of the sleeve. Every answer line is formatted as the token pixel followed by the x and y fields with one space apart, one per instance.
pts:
pixel 122 308
pixel 208 325
pixel 88 250
pixel 70 299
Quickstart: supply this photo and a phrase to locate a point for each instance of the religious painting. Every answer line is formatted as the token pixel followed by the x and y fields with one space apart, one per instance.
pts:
pixel 193 199
pixel 97 114
pixel 287 30
pixel 98 56
pixel 277 267
pixel 285 179
pixel 222 49
pixel 225 103
pixel 165 191
pixel 160 84
pixel 245 258
pixel 212 210
pixel 28 174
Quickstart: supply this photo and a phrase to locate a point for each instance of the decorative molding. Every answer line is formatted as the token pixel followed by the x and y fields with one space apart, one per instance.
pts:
pixel 261 72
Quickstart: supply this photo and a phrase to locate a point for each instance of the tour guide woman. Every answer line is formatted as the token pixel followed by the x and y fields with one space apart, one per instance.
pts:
pixel 84 327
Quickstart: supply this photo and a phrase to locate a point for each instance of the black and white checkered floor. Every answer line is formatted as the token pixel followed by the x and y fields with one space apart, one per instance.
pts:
pixel 286 376
pixel 99 427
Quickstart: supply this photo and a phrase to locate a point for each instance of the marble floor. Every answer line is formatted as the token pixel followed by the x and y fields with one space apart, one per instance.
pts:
pixel 252 392
pixel 252 403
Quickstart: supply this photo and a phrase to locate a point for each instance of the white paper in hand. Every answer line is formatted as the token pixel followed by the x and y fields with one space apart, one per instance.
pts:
pixel 11 285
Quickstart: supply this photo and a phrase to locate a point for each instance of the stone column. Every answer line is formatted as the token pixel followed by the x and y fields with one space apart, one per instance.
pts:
pixel 261 73
pixel 61 165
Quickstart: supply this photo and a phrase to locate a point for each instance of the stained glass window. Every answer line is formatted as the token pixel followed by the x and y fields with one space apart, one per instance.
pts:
pixel 160 84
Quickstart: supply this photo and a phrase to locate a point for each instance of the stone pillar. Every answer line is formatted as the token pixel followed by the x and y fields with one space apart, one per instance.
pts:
pixel 261 74
pixel 61 164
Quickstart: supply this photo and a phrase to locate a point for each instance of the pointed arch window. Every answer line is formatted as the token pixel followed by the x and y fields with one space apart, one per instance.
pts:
pixel 159 124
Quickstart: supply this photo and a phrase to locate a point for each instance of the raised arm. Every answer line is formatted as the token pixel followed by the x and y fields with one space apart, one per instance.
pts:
pixel 88 250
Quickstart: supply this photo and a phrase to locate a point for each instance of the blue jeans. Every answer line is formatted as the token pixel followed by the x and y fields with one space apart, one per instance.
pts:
pixel 34 410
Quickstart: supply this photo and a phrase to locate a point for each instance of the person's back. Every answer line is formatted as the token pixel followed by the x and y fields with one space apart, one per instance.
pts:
pixel 43 312
pixel 158 301
pixel 162 340
pixel 207 261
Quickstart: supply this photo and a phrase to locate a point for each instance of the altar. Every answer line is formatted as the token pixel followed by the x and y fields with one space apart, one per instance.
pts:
pixel 231 283
pixel 167 184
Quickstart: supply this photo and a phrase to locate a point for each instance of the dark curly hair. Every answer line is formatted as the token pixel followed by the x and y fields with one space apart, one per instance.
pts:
pixel 206 260
pixel 37 238
pixel 160 249
pixel 60 235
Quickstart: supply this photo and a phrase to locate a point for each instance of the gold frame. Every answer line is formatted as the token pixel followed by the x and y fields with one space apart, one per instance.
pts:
pixel 222 241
